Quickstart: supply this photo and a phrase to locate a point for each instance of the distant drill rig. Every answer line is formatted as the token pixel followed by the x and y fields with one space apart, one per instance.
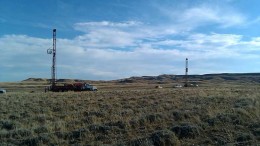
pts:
pixel 53 52
pixel 186 73
pixel 65 87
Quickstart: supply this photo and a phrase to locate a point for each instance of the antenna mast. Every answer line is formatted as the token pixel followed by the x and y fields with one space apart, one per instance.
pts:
pixel 186 74
pixel 53 52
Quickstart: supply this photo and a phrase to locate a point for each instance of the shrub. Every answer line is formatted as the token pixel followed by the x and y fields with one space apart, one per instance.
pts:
pixel 22 133
pixel 118 124
pixel 8 125
pixel 153 118
pixel 77 133
pixel 133 123
pixel 141 142
pixel 41 129
pixel 181 115
pixel 245 139
pixel 220 139
pixel 243 102
pixel 186 130
pixel 99 129
pixel 255 128
pixel 13 117
pixel 165 138
pixel 30 142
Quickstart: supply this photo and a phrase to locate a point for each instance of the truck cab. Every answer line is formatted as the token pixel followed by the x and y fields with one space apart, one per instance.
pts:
pixel 89 87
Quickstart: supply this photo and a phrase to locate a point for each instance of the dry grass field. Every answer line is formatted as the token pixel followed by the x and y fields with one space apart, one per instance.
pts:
pixel 131 114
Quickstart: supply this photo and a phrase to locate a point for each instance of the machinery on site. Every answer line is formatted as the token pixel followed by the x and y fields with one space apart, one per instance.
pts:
pixel 54 87
pixel 188 83
pixel 186 73
pixel 72 87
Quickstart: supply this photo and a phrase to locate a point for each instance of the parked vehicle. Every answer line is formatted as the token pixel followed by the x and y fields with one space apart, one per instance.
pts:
pixel 2 91
pixel 178 86
pixel 72 87
pixel 158 87
pixel 84 87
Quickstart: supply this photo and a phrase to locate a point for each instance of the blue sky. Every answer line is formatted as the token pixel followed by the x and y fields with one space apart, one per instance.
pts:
pixel 113 39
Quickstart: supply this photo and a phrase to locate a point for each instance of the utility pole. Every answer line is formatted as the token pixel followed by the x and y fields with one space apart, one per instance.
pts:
pixel 53 52
pixel 186 73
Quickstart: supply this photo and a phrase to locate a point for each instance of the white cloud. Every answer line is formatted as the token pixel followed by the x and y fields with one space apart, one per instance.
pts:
pixel 200 39
pixel 106 24
pixel 215 39
pixel 111 50
pixel 78 60
pixel 19 45
pixel 255 42
pixel 107 34
pixel 207 14
pixel 107 38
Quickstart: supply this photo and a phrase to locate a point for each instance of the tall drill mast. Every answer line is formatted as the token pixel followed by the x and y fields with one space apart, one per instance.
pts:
pixel 53 73
pixel 53 52
pixel 186 73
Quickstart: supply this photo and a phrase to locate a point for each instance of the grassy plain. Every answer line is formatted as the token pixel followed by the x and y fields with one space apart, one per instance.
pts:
pixel 131 114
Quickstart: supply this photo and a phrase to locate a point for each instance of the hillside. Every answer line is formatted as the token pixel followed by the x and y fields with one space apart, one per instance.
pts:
pixel 228 77
pixel 239 77
pixel 31 80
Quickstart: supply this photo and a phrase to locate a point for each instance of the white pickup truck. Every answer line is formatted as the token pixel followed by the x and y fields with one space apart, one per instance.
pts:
pixel 89 87
pixel 2 91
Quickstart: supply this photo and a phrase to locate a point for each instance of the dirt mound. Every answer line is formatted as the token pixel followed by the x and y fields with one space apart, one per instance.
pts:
pixel 35 80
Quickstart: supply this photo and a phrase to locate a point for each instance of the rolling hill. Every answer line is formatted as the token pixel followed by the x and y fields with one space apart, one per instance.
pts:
pixel 166 78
